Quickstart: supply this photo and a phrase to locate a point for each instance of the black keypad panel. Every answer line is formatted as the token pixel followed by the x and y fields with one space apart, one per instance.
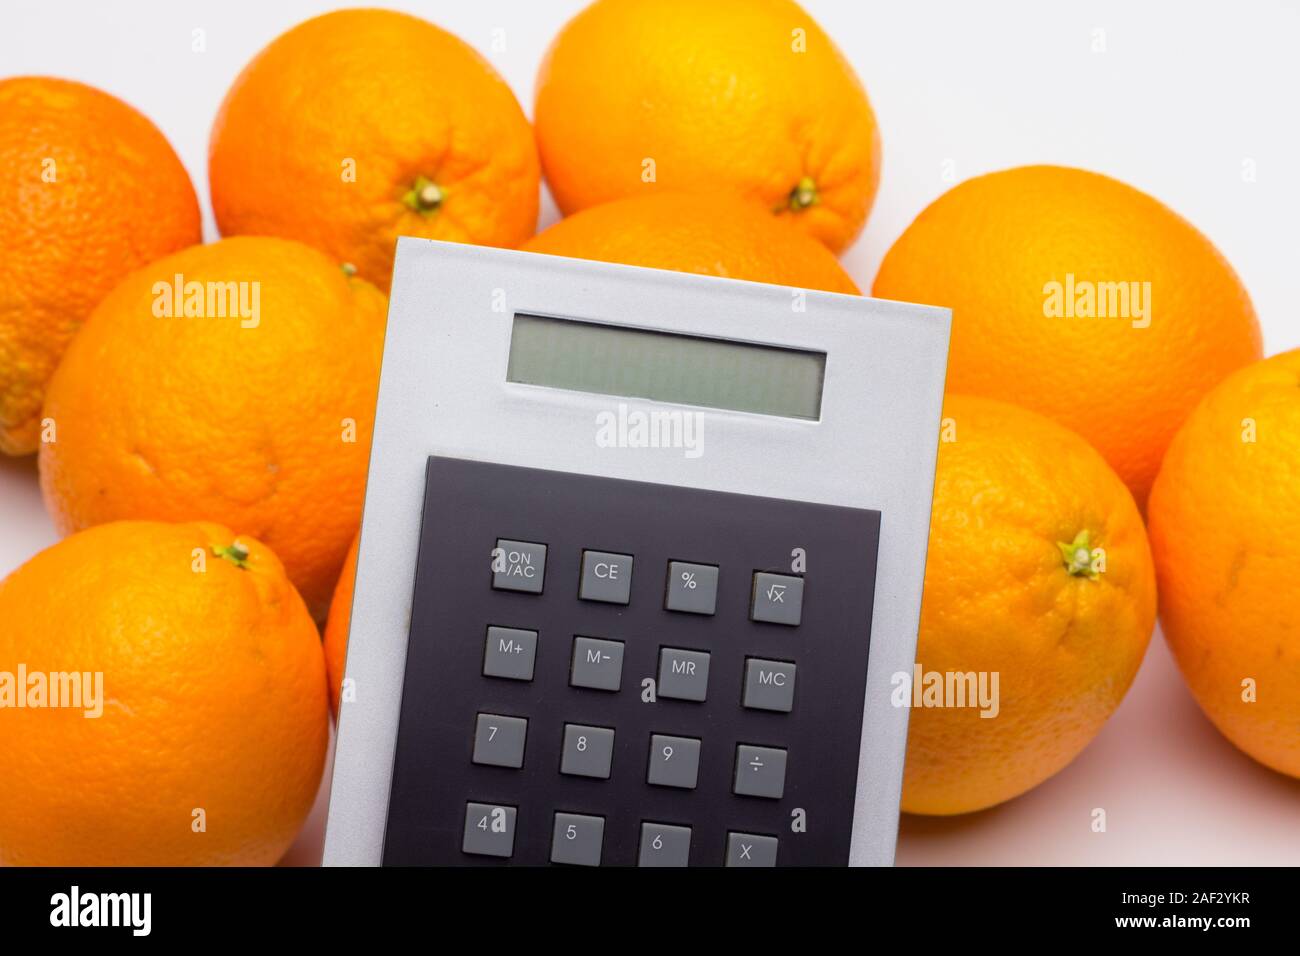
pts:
pixel 620 673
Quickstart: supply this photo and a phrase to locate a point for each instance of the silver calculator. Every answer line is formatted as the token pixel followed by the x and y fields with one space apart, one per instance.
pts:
pixel 641 554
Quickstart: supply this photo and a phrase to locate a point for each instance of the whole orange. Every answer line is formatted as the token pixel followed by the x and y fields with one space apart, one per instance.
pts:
pixel 186 720
pixel 711 235
pixel 250 404
pixel 748 97
pixel 1081 298
pixel 1225 530
pixel 1039 602
pixel 360 126
pixel 336 627
pixel 89 190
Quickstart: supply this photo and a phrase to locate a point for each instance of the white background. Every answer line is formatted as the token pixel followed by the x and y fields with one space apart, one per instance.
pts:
pixel 1185 101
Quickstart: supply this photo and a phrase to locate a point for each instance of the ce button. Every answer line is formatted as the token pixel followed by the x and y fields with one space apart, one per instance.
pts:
pixel 606 577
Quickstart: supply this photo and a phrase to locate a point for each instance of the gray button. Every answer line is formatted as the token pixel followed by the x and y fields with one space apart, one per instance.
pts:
pixel 663 844
pixel 777 598
pixel 750 849
pixel 518 566
pixel 597 664
pixel 760 772
pixel 509 652
pixel 499 741
pixel 692 588
pixel 606 577
pixel 588 751
pixel 769 685
pixel 489 830
pixel 674 761
pixel 577 839
pixel 683 675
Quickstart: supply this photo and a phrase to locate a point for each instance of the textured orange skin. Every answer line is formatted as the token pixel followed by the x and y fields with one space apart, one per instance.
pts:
pixel 998 597
pixel 719 235
pixel 119 200
pixel 403 99
pixel 987 248
pixel 1225 530
pixel 213 698
pixel 715 95
pixel 336 628
pixel 180 419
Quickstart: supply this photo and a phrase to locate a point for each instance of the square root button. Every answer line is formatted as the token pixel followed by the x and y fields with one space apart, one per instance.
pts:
pixel 606 577
pixel 777 598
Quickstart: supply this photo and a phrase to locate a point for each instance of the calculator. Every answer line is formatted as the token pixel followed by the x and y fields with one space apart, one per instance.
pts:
pixel 640 569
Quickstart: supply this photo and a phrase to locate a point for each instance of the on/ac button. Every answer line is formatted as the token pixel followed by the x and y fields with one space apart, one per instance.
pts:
pixel 518 566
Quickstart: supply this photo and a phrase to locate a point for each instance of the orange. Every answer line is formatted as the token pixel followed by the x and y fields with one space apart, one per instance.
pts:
pixel 261 423
pixel 193 718
pixel 748 97
pixel 1225 530
pixel 1039 573
pixel 714 235
pixel 1023 255
pixel 89 190
pixel 336 628
pixel 360 126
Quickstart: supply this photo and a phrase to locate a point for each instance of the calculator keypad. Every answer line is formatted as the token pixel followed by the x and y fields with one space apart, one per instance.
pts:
pixel 624 674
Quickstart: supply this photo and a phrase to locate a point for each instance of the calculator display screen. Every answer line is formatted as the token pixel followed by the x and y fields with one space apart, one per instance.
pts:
pixel 666 367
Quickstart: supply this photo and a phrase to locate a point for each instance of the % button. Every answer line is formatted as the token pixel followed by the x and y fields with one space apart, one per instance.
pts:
pixel 692 588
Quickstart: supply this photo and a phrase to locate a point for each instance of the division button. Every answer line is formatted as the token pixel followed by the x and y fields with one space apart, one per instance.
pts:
pixel 596 664
pixel 777 598
pixel 510 653
pixel 674 761
pixel 588 751
pixel 683 675
pixel 750 849
pixel 499 740
pixel 760 772
pixel 769 685
pixel 577 839
pixel 606 577
pixel 663 844
pixel 489 830
pixel 692 588
pixel 518 566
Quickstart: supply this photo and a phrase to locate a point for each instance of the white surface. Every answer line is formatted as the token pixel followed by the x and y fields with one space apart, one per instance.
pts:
pixel 1185 97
